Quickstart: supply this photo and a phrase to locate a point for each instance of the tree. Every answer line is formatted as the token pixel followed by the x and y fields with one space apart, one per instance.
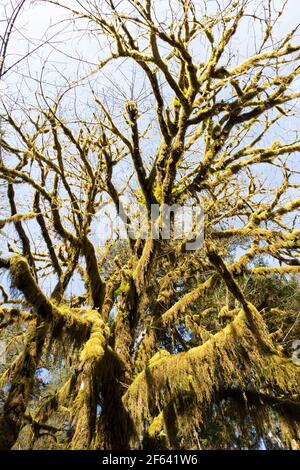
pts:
pixel 153 344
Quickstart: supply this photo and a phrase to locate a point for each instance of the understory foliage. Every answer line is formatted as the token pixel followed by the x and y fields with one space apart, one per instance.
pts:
pixel 141 342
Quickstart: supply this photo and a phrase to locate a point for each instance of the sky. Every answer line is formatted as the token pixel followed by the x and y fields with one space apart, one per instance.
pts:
pixel 41 21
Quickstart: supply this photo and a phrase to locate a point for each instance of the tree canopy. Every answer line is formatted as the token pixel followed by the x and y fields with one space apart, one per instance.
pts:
pixel 140 342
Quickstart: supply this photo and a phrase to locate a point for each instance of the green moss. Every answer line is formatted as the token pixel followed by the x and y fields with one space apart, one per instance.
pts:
pixel 123 289
pixel 156 426
pixel 235 354
pixel 162 353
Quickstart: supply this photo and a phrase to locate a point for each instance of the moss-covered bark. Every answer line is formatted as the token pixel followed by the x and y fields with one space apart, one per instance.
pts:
pixel 143 342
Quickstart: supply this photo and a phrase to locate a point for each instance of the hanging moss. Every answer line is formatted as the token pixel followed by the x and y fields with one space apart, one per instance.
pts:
pixel 233 358
pixel 158 346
